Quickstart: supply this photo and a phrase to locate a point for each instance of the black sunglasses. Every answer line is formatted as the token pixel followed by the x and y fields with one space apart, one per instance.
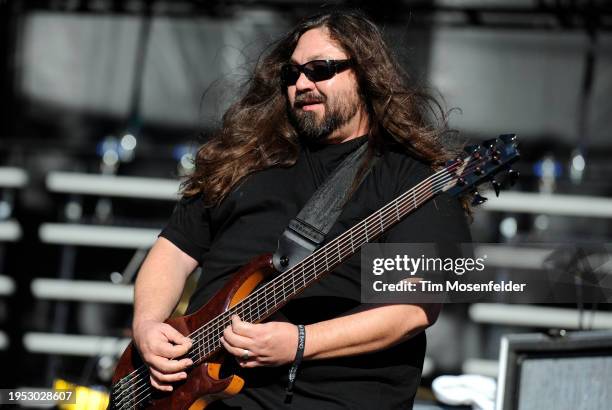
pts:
pixel 316 70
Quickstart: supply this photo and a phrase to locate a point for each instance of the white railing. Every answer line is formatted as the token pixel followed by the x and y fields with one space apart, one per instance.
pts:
pixel 537 316
pixel 11 177
pixel 113 185
pixel 82 290
pixel 10 231
pixel 93 235
pixel 550 204
pixel 73 345
pixel 7 285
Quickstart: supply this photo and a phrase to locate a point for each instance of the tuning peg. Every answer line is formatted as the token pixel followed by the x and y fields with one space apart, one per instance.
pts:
pixel 496 187
pixel 488 144
pixel 470 149
pixel 513 176
pixel 508 138
pixel 478 199
pixel 496 157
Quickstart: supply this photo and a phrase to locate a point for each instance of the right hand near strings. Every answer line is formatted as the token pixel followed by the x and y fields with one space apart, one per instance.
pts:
pixel 159 344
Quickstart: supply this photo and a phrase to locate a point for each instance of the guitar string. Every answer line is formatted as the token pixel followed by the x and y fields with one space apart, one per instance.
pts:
pixel 337 241
pixel 333 255
pixel 202 335
pixel 315 275
pixel 443 176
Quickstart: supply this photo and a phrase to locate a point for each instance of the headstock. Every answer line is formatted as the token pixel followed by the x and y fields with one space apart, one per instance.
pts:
pixel 482 163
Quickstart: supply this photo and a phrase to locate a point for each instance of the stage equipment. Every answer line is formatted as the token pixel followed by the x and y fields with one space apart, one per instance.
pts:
pixel 556 371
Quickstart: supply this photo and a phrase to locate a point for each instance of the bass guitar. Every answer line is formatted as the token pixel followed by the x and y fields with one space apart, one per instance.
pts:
pixel 257 290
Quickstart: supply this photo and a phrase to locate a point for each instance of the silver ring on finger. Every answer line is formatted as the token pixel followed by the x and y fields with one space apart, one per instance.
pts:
pixel 245 354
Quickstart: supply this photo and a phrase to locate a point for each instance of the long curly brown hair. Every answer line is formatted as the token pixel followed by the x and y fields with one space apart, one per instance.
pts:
pixel 256 132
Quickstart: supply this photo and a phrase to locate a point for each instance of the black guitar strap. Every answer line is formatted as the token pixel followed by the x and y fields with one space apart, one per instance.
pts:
pixel 306 232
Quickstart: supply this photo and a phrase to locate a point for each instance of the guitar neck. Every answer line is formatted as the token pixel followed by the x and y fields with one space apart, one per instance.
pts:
pixel 481 163
pixel 271 296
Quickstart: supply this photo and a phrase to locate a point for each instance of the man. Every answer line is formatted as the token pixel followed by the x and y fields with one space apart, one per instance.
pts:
pixel 326 88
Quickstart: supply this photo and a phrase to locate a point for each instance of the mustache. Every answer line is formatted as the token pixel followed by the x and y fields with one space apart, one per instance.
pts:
pixel 308 98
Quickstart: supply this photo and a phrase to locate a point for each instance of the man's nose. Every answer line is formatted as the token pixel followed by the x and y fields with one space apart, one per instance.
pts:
pixel 304 83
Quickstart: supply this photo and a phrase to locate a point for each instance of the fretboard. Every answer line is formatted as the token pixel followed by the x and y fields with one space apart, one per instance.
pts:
pixel 272 295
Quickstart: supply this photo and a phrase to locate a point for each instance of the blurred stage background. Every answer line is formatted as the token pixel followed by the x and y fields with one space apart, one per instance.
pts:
pixel 122 89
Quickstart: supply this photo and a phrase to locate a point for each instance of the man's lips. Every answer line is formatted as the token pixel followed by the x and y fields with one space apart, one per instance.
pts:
pixel 308 105
pixel 311 106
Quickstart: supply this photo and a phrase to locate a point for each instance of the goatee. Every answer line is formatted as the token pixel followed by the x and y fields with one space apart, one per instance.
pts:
pixel 336 114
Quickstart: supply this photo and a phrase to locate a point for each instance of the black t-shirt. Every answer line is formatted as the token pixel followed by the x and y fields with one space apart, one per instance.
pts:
pixel 249 222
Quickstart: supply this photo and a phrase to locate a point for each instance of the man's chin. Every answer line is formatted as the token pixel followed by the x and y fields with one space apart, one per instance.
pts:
pixel 309 124
pixel 312 132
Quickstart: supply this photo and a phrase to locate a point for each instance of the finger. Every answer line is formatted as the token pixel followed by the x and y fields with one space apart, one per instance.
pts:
pixel 167 378
pixel 230 349
pixel 174 335
pixel 248 364
pixel 169 366
pixel 158 385
pixel 238 352
pixel 234 339
pixel 170 351
pixel 241 327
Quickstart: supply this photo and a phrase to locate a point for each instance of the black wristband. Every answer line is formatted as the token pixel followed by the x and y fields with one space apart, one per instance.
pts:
pixel 299 354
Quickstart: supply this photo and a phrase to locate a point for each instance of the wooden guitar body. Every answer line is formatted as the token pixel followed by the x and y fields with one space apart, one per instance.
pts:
pixel 203 384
